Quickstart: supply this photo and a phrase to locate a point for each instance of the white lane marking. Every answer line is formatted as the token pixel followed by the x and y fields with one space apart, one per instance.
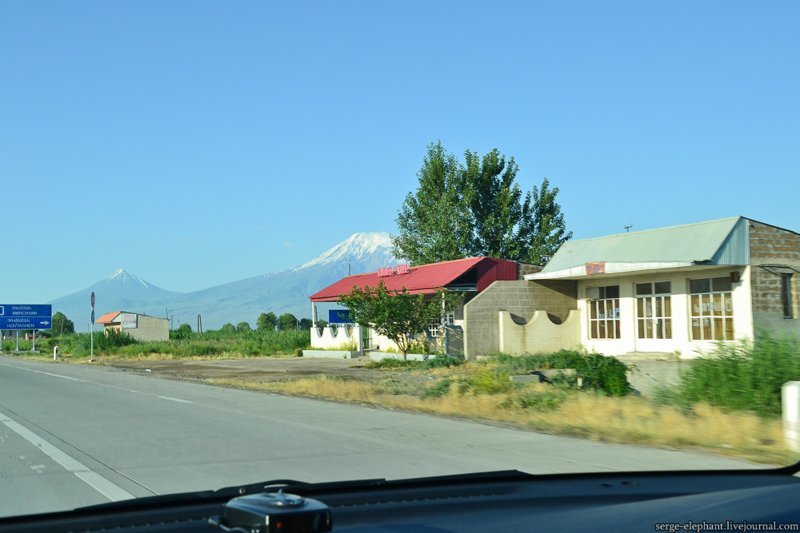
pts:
pixel 43 372
pixel 81 471
pixel 170 398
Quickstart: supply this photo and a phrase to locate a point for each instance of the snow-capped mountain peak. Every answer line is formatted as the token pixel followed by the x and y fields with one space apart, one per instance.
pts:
pixel 357 246
pixel 121 275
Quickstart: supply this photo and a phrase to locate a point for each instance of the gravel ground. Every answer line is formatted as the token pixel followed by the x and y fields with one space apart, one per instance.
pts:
pixel 261 368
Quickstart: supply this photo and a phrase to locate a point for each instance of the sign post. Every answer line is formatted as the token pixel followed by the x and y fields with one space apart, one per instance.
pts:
pixel 25 317
pixel 91 332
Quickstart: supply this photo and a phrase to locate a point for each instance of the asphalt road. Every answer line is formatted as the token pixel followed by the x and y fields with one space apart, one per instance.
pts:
pixel 75 435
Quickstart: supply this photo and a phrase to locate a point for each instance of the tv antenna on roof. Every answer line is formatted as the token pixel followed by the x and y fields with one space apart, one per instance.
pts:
pixel 627 227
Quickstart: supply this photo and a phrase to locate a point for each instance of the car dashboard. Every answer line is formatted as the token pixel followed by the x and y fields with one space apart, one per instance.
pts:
pixel 493 501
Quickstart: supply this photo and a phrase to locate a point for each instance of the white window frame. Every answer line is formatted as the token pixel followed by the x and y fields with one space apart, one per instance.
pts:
pixel 707 311
pixel 603 307
pixel 658 323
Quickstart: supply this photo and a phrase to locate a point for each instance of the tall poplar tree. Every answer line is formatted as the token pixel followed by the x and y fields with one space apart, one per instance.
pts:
pixel 549 231
pixel 477 209
pixel 434 222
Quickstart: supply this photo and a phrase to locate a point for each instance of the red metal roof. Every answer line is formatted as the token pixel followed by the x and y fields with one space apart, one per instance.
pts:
pixel 422 279
pixel 107 318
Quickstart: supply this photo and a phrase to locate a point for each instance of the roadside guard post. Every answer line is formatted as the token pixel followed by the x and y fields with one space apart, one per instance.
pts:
pixel 55 353
pixel 91 330
pixel 790 396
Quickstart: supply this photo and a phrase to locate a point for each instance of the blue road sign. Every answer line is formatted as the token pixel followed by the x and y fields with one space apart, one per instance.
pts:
pixel 20 316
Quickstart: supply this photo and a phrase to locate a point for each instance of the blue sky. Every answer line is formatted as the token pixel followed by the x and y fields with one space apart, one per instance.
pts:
pixel 196 143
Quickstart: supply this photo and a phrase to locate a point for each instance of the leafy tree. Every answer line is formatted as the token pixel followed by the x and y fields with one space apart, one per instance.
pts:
pixel 305 323
pixel 493 199
pixel 61 324
pixel 398 315
pixel 287 321
pixel 477 209
pixel 184 331
pixel 228 328
pixel 549 231
pixel 267 322
pixel 243 327
pixel 435 223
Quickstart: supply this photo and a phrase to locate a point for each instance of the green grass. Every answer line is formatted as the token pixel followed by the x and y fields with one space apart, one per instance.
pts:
pixel 740 377
pixel 212 343
pixel 439 361
pixel 599 372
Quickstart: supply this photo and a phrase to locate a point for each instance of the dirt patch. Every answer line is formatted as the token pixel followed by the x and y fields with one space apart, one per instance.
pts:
pixel 255 369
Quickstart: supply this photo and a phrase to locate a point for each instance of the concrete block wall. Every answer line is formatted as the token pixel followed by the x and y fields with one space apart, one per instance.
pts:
pixel 520 298
pixel 524 269
pixel 774 251
pixel 149 328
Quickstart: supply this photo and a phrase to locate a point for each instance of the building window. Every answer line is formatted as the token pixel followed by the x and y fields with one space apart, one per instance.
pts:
pixel 448 318
pixel 603 305
pixel 654 310
pixel 786 296
pixel 711 309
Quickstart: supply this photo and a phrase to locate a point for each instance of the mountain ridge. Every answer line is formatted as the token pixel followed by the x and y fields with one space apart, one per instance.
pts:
pixel 235 301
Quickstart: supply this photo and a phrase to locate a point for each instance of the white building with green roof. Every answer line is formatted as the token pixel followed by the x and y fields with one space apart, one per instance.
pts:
pixel 674 290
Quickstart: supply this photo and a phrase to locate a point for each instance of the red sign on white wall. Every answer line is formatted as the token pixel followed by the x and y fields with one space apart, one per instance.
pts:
pixel 595 268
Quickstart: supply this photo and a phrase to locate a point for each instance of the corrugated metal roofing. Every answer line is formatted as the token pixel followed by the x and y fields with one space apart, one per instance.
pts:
pixel 689 243
pixel 422 279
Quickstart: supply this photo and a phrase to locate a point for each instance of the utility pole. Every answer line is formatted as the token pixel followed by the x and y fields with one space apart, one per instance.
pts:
pixel 628 227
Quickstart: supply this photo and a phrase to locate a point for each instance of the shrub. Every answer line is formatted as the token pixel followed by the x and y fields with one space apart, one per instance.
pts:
pixel 390 363
pixel 440 361
pixel 742 376
pixel 488 382
pixel 184 331
pixel 107 341
pixel 538 401
pixel 440 389
pixel 599 372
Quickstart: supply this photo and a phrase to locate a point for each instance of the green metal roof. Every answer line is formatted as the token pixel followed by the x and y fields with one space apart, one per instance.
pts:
pixel 721 241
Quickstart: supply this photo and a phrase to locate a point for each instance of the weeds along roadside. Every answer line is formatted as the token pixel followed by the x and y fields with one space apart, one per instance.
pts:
pixel 208 344
pixel 603 410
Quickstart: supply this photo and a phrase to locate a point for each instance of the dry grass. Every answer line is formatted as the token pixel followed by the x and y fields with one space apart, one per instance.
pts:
pixel 622 420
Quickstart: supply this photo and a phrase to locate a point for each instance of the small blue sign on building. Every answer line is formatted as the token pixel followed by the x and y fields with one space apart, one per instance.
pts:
pixel 339 316
pixel 24 316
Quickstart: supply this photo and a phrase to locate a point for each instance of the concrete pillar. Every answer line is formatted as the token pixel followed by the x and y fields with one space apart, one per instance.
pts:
pixel 790 396
pixel 501 333
pixel 313 314
pixel 359 339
